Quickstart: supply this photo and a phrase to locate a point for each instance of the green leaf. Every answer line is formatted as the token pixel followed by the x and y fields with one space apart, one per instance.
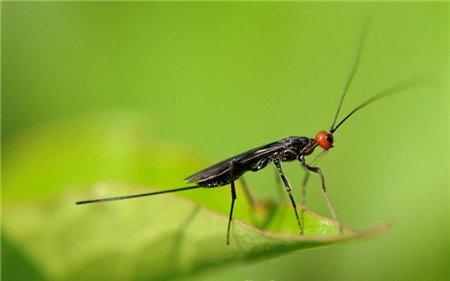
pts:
pixel 81 151
pixel 46 236
pixel 148 239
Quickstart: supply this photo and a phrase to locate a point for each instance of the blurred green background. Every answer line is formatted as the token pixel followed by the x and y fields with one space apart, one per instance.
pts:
pixel 215 79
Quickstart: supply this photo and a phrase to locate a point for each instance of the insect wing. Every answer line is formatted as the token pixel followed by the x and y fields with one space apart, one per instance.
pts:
pixel 242 161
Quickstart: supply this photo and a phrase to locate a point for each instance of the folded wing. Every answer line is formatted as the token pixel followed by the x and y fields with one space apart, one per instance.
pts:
pixel 251 160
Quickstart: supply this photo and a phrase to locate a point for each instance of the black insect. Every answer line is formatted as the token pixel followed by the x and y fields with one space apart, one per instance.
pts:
pixel 288 149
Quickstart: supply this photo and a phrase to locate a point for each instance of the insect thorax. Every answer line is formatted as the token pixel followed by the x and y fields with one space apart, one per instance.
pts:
pixel 296 147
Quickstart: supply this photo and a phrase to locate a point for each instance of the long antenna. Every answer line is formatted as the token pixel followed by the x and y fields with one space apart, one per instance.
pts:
pixel 410 83
pixel 134 195
pixel 352 71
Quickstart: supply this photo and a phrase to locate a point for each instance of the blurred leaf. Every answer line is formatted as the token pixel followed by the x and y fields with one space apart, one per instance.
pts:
pixel 80 151
pixel 158 238
pixel 15 265
pixel 249 69
pixel 154 239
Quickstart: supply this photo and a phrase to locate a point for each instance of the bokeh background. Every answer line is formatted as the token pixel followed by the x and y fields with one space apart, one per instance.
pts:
pixel 215 79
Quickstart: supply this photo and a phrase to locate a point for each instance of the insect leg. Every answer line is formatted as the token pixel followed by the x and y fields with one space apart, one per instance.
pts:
pixel 281 197
pixel 307 175
pixel 287 186
pixel 233 198
pixel 252 202
pixel 303 198
pixel 305 180
pixel 248 193
pixel 317 170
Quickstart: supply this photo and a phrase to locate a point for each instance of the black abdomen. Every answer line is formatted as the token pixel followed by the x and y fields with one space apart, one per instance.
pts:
pixel 231 169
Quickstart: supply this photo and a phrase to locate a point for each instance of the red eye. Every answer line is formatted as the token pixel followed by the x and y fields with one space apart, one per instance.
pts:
pixel 324 139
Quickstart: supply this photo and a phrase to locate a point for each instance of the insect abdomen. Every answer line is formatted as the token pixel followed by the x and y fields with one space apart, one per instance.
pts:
pixel 220 180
